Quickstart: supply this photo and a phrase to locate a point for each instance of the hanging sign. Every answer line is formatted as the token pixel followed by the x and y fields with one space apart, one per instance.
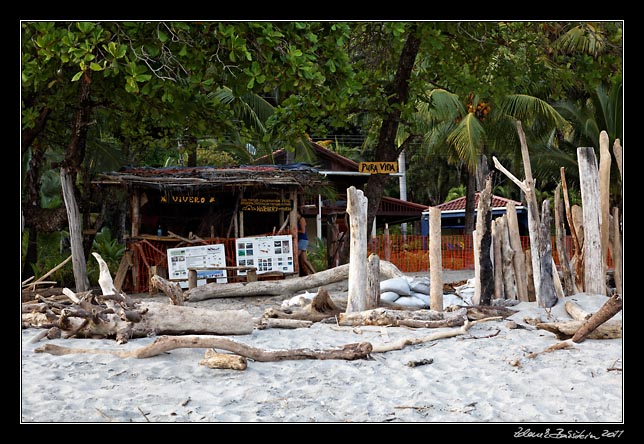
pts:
pixel 172 198
pixel 263 205
pixel 378 167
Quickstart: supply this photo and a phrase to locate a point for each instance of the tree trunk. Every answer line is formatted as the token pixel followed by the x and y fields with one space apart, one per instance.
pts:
pixel 594 276
pixel 470 193
pixel 397 93
pixel 357 210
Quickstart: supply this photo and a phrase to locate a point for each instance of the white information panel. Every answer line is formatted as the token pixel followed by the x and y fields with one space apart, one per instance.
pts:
pixel 180 259
pixel 266 253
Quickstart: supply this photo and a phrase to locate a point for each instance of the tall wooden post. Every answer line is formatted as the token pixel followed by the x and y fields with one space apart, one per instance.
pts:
pixel 484 242
pixel 373 282
pixel 594 276
pixel 604 190
pixel 435 260
pixel 75 225
pixel 518 259
pixel 498 260
pixel 357 211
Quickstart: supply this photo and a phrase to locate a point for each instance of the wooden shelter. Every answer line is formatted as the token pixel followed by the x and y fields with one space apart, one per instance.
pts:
pixel 212 202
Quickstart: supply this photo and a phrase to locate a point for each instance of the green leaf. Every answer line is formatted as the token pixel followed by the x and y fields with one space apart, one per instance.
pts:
pixel 162 36
pixel 77 76
pixel 95 67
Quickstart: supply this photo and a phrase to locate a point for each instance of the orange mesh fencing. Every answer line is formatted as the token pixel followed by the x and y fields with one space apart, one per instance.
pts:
pixel 410 253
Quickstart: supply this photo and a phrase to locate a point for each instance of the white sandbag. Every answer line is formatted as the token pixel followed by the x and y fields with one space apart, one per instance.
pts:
pixel 423 297
pixel 466 291
pixel 389 296
pixel 420 284
pixel 299 300
pixel 398 285
pixel 452 299
pixel 410 301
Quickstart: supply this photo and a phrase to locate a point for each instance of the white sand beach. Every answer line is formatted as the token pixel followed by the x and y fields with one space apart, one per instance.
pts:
pixel 482 376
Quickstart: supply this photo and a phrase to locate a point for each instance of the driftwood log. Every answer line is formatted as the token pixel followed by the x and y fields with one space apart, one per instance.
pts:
pixel 610 308
pixel 166 343
pixel 588 325
pixel 283 287
pixel 321 307
pixel 115 315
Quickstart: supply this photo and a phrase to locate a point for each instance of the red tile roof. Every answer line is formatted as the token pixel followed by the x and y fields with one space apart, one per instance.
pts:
pixel 459 203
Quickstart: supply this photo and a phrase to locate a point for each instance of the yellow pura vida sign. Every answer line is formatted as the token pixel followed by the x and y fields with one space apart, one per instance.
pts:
pixel 378 167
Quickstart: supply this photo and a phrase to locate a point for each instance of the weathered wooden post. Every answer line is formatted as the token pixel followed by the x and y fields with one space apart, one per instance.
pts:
pixel 435 260
pixel 604 191
pixel 484 236
pixel 507 258
pixel 357 211
pixel 560 230
pixel 518 259
pixel 75 225
pixel 617 251
pixel 498 260
pixel 547 290
pixel 373 282
pixel 594 276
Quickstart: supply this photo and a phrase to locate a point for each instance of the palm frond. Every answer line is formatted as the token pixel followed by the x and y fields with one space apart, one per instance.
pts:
pixel 467 139
pixel 585 38
pixel 524 107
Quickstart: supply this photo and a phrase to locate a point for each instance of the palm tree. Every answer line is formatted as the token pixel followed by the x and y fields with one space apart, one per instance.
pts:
pixel 251 138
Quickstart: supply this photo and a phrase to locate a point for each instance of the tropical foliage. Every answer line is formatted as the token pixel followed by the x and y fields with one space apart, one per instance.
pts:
pixel 97 96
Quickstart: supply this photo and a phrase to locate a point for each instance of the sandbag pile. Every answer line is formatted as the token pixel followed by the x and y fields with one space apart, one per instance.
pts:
pixel 413 292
